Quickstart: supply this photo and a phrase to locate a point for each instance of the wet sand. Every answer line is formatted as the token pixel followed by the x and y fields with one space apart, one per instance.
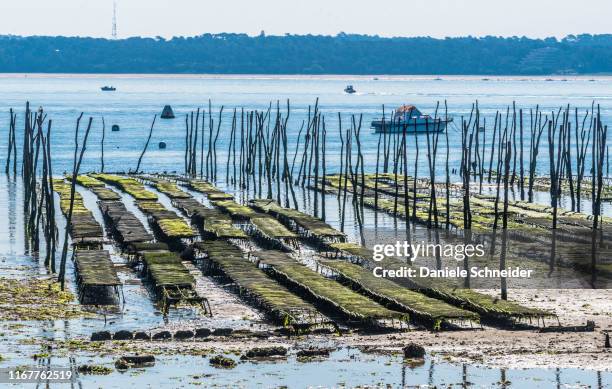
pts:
pixel 491 347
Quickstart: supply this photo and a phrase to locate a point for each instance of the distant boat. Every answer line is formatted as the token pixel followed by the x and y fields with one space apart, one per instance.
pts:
pixel 410 119
pixel 107 88
pixel 349 89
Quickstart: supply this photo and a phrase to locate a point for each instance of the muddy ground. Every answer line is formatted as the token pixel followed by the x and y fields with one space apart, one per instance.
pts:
pixel 488 346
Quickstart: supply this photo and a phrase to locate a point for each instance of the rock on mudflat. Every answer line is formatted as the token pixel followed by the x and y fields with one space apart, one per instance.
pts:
pixel 183 334
pixel 222 332
pixel 414 350
pixel 141 335
pixel 100 336
pixel 123 335
pixel 162 335
pixel 202 332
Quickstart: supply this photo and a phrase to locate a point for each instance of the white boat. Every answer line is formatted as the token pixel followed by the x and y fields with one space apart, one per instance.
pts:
pixel 409 119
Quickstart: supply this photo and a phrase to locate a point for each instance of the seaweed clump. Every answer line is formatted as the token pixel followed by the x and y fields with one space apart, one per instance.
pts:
pixel 35 299
pixel 94 369
pixel 264 352
pixel 222 362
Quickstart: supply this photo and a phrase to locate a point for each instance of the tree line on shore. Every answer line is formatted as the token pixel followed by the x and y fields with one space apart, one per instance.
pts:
pixel 308 54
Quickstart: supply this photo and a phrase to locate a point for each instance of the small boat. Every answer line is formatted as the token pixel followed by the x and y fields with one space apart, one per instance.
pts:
pixel 408 118
pixel 349 89
pixel 107 88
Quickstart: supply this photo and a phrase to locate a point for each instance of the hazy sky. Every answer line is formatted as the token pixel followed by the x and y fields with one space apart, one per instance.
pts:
pixel 438 18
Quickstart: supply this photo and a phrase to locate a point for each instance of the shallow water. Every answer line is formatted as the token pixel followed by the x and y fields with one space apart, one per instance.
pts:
pixel 132 107
pixel 139 97
pixel 347 367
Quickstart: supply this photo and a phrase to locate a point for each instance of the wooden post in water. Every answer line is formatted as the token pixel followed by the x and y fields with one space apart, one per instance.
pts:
pixel 341 153
pixel 360 164
pixel 316 168
pixel 11 143
pixel 229 150
pixel 346 172
pixel 447 168
pixel 186 144
pixel 214 153
pixel 396 161
pixel 324 171
pixel 514 125
pixel 50 210
pixel 144 150
pixel 102 146
pixel 537 128
pixel 600 154
pixel 567 156
pixel 522 166
pixel 202 141
pixel 406 200
pixel 497 115
pixel 502 261
pixel 582 145
pixel 432 151
pixel 75 172
pixel 376 194
pixel 194 146
pixel 416 171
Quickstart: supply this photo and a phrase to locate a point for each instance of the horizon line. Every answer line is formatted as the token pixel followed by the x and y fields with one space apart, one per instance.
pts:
pixel 340 34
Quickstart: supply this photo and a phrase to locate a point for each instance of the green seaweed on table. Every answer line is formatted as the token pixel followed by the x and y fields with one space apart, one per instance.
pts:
pixel 388 292
pixel 167 269
pixel 342 298
pixel 129 185
pixel 175 228
pixel 235 209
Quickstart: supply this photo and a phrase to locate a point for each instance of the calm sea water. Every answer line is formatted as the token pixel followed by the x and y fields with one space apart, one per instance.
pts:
pixel 139 97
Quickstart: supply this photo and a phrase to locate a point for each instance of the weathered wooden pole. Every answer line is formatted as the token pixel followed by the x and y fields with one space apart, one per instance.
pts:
pixel 346 174
pixel 229 150
pixel 324 134
pixel 502 261
pixel 144 150
pixel 11 143
pixel 447 170
pixel 75 172
pixel 416 171
pixel 376 194
pixel 405 180
pixel 341 153
pixel 50 213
